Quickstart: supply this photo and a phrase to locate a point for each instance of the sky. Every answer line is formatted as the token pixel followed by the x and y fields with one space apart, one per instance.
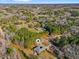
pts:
pixel 40 1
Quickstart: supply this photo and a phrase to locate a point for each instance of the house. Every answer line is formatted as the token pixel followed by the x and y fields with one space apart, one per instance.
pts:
pixel 40 46
pixel 39 49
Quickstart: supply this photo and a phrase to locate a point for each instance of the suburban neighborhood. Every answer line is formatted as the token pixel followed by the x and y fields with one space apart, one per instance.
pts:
pixel 47 31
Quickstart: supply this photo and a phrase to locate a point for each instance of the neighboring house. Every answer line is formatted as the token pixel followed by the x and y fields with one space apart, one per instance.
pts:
pixel 61 22
pixel 71 51
pixel 74 30
pixel 24 17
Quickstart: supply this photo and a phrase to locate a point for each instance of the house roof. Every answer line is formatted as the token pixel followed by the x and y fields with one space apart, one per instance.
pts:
pixel 40 48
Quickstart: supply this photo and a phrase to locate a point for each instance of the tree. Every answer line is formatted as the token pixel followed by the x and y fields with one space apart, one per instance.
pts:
pixel 48 27
pixel 25 36
pixel 69 40
pixel 57 29
pixel 9 50
pixel 74 13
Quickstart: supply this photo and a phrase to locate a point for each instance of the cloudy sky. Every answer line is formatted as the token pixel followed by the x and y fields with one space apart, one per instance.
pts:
pixel 39 1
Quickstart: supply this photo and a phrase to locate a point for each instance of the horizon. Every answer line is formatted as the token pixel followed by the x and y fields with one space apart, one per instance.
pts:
pixel 39 1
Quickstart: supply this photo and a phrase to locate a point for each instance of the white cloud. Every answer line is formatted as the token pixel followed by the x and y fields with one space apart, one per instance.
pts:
pixel 22 0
